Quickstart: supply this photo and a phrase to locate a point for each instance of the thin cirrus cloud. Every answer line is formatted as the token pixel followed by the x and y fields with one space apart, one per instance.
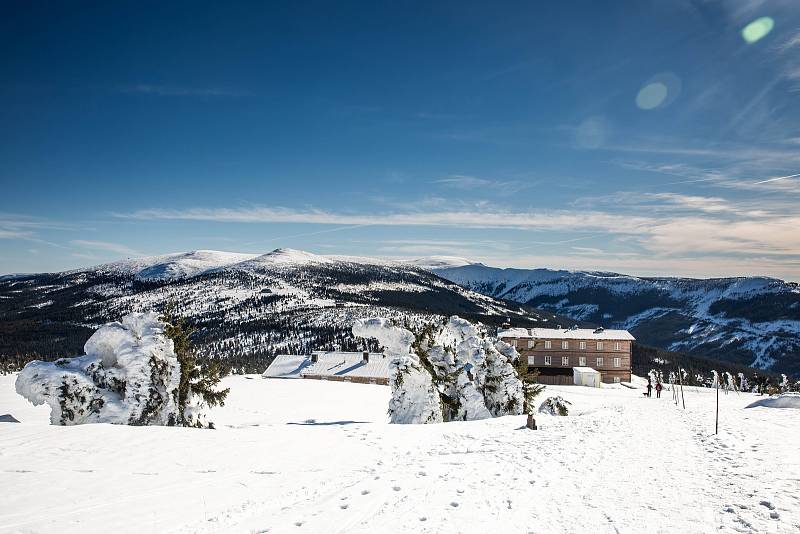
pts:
pixel 105 246
pixel 178 91
pixel 466 182
pixel 476 218
pixel 664 224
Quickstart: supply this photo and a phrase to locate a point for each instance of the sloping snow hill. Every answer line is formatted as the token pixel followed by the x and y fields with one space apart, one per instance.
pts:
pixel 293 456
pixel 749 321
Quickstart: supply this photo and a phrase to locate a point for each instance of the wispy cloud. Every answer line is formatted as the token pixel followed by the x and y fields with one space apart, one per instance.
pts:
pixel 486 217
pixel 105 246
pixel 466 182
pixel 777 178
pixel 14 234
pixel 178 91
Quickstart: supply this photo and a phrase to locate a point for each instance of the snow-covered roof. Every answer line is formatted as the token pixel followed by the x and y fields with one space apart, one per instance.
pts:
pixel 569 333
pixel 329 364
pixel 287 366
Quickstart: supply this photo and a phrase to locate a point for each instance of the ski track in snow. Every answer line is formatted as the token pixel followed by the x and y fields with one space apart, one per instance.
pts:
pixel 618 463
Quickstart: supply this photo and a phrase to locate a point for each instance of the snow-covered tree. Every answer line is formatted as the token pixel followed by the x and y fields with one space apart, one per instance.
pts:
pixel 469 376
pixel 744 385
pixel 414 399
pixel 555 406
pixel 130 375
pixel 784 386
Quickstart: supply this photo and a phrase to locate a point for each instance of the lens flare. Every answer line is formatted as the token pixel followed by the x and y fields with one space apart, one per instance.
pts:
pixel 659 91
pixel 651 95
pixel 757 30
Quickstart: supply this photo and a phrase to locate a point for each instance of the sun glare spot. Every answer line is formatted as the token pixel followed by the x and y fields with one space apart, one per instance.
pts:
pixel 757 30
pixel 652 95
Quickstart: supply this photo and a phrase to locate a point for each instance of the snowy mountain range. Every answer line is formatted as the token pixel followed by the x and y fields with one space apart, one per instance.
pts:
pixel 752 321
pixel 248 307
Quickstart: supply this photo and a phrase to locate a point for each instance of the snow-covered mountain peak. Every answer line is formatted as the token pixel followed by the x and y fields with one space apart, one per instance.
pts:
pixel 440 262
pixel 189 264
pixel 282 257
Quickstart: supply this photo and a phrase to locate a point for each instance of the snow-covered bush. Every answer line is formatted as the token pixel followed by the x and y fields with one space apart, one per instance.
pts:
pixel 555 406
pixel 446 371
pixel 414 397
pixel 128 376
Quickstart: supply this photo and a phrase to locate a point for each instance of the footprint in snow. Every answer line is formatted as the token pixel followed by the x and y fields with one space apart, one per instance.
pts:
pixel 454 504
pixel 423 518
pixel 344 506
pixel 298 523
pixel 767 504
pixel 364 492
pixel 396 488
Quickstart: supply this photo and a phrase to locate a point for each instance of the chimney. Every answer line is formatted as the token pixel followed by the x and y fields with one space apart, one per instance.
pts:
pixel 314 357
pixel 365 356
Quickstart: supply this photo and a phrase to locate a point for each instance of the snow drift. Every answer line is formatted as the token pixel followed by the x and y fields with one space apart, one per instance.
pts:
pixel 128 376
pixel 446 372
pixel 786 400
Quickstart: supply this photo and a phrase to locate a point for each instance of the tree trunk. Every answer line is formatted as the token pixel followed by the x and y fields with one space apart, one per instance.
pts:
pixel 531 422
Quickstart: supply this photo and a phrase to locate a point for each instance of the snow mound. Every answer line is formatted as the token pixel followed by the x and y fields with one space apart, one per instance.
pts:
pixel 128 376
pixel 786 400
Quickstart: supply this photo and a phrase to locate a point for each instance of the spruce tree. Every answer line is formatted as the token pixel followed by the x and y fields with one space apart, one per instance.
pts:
pixel 195 379
pixel 531 387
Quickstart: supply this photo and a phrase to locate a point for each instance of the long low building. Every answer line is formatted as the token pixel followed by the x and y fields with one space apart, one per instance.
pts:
pixel 555 352
pixel 361 367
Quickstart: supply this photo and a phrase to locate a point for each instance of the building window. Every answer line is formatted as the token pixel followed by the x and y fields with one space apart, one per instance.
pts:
pixel 548 360
pixel 565 345
pixel 582 361
pixel 514 343
pixel 583 345
pixel 616 345
pixel 548 344
pixel 599 345
pixel 599 361
pixel 565 361
pixel 617 362
pixel 531 343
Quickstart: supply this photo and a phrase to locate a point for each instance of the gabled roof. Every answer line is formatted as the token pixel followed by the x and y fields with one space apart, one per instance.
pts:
pixel 569 333
pixel 329 364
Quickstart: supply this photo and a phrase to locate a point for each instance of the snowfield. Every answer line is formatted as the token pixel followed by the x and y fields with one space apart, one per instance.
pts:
pixel 310 456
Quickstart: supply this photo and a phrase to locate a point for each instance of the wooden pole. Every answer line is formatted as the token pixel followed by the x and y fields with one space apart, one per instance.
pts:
pixel 716 423
pixel 680 377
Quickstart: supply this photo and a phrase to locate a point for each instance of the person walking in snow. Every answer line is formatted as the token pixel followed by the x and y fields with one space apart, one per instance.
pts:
pixel 659 387
pixel 649 388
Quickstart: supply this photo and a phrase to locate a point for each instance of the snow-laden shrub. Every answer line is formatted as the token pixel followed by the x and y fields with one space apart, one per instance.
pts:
pixel 555 406
pixel 449 367
pixel 128 376
pixel 414 397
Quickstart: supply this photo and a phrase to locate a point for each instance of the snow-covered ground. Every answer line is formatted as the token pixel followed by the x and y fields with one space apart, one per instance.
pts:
pixel 307 456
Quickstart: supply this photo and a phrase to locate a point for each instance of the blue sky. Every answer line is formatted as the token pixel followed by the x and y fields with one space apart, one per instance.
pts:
pixel 641 137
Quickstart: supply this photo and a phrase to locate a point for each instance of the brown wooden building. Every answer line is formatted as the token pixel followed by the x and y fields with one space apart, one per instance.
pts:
pixel 556 351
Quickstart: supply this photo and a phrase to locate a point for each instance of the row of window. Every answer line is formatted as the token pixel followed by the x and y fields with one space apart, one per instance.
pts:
pixel 599 361
pixel 548 344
